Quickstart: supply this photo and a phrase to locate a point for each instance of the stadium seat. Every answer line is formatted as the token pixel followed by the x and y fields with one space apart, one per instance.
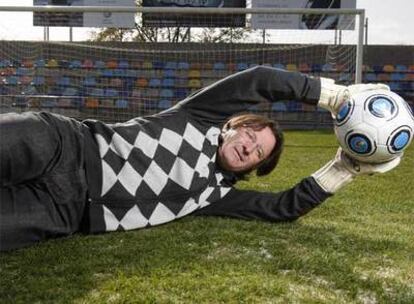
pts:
pixel 388 68
pixel 123 64
pixel 397 76
pixel 147 65
pixel 164 104
pixel 194 83
pixel 194 74
pixel 370 77
pixel 293 106
pixel 111 64
pixel 167 94
pixel 63 81
pixel 52 63
pixel 168 83
pixel 141 82
pixel 70 92
pixel 121 103
pixel 279 107
pixel 97 92
pixel 170 65
pixel 195 66
pixel 401 68
pixel 157 65
pixel 154 82
pixel 394 86
pixel 219 66
pixel 242 66
pixel 183 65
pixel 116 82
pixel 180 93
pixel 99 64
pixel 89 81
pixel 55 91
pixel 411 68
pixel 48 103
pixel 111 92
pixel 365 68
pixel 75 64
pixel 384 77
pixel 23 71
pixel 168 73
pixel 206 66
pixel 291 67
pixel 92 103
pixel 5 63
pixel 108 73
pixel 377 68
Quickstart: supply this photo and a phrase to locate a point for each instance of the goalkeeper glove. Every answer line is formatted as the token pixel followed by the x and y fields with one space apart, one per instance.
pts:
pixel 334 95
pixel 342 170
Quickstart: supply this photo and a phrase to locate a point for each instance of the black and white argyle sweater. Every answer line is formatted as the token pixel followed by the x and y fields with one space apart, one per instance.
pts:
pixel 152 170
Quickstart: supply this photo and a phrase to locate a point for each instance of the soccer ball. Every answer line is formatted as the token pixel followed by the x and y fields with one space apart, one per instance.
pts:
pixel 374 126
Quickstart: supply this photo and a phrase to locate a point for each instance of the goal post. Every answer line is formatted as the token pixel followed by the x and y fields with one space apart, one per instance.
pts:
pixel 114 81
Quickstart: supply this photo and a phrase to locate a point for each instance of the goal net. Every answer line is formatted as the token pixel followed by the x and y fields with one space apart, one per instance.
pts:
pixel 116 74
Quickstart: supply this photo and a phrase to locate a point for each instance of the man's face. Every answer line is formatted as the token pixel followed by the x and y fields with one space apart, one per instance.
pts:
pixel 244 148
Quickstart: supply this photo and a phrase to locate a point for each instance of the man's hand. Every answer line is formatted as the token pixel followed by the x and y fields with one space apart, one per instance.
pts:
pixel 334 95
pixel 343 169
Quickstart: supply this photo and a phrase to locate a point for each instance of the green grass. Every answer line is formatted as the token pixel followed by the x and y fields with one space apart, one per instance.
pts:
pixel 358 247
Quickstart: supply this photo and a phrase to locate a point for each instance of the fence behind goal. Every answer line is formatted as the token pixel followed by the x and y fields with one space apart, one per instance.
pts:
pixel 115 81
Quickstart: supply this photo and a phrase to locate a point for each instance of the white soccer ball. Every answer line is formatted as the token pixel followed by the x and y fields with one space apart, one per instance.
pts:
pixel 374 126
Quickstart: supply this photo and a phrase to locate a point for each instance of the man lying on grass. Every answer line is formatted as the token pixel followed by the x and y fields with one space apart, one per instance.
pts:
pixel 60 176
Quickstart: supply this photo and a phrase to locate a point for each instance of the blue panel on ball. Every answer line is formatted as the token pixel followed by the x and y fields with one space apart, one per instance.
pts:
pixel 359 144
pixel 343 112
pixel 382 107
pixel 400 141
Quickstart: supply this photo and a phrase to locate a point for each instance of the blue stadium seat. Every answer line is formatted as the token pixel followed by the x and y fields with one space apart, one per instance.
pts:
pixel 397 76
pixel 401 68
pixel 70 92
pixel 123 64
pixel 38 81
pixel 55 91
pixel 171 65
pixel 168 83
pixel 75 64
pixel 242 66
pixel 99 64
pixel 121 103
pixel 279 107
pixel 23 71
pixel 181 93
pixel 166 94
pixel 154 82
pixel 164 104
pixel 370 77
pixel 279 66
pixel 377 68
pixel 158 65
pixel 63 81
pixel 111 93
pixel 394 86
pixel 48 103
pixel 108 73
pixel 219 66
pixel 183 65
pixel 95 92
pixel 89 81
pixel 327 67
pixel 168 73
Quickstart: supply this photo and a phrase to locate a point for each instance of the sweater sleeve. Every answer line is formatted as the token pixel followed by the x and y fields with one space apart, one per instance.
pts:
pixel 237 92
pixel 274 207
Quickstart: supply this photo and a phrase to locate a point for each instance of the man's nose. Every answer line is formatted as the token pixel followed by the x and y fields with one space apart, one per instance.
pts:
pixel 249 147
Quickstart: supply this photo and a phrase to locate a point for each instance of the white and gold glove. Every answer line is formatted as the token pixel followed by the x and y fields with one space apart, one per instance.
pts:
pixel 342 170
pixel 334 95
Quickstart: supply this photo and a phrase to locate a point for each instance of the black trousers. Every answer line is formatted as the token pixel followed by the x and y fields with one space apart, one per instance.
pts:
pixel 42 178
